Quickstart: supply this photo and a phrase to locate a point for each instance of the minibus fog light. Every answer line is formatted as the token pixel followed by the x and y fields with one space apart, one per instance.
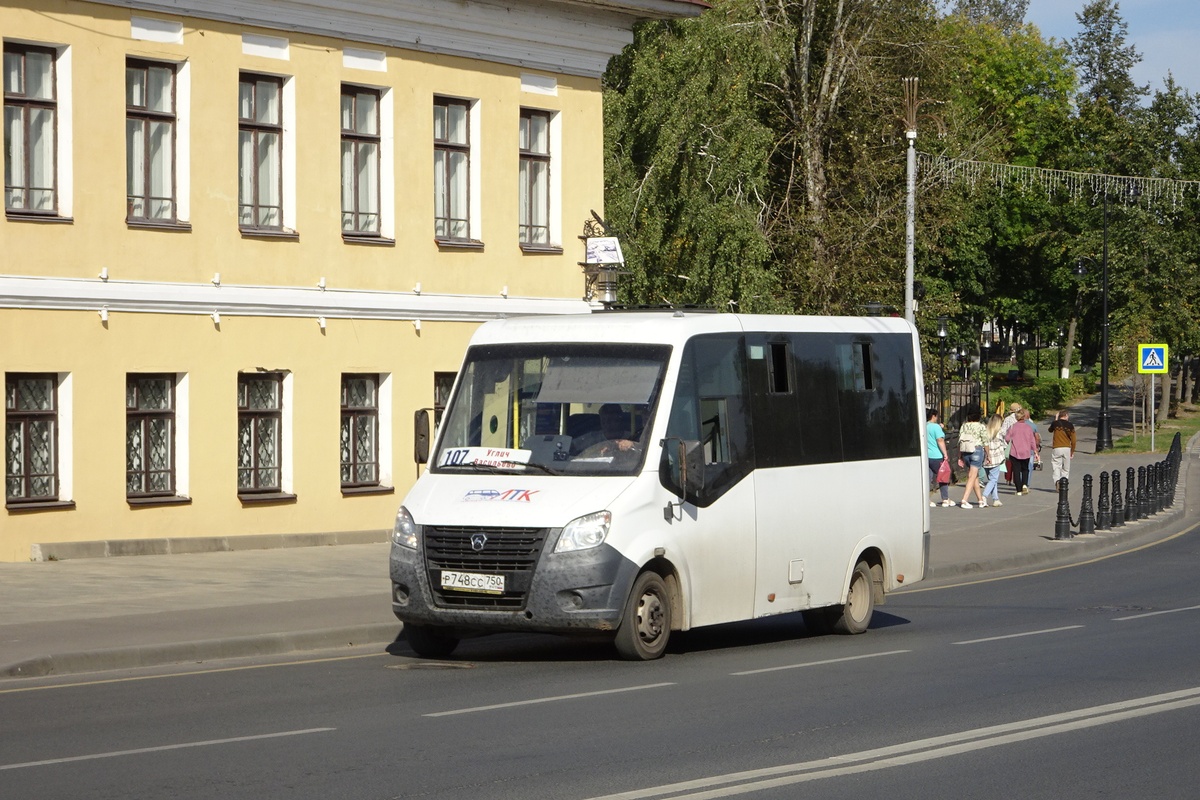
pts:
pixel 405 531
pixel 584 532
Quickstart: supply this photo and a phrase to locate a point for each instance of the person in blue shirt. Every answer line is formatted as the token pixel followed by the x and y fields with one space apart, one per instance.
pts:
pixel 935 451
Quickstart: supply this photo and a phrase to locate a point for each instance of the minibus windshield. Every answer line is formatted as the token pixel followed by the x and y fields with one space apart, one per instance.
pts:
pixel 559 409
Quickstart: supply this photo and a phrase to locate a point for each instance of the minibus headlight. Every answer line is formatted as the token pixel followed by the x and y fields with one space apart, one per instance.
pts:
pixel 404 533
pixel 586 531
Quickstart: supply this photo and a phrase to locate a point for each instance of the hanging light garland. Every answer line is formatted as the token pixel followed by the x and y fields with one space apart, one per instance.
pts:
pixel 1127 189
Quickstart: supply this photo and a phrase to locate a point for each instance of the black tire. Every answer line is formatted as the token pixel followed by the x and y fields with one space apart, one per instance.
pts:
pixel 646 624
pixel 429 641
pixel 855 615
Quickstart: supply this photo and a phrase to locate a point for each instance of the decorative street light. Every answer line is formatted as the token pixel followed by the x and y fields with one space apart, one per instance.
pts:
pixel 986 347
pixel 942 331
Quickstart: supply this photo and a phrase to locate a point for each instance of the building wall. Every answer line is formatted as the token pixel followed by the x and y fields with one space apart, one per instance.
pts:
pixel 92 298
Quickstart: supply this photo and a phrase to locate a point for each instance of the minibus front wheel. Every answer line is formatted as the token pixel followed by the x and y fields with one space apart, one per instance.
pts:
pixel 429 641
pixel 646 624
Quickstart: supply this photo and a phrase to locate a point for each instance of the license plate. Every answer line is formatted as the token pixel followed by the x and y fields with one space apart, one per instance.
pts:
pixel 473 582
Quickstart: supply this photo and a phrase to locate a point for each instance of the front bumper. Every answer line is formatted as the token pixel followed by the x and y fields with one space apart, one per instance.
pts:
pixel 578 592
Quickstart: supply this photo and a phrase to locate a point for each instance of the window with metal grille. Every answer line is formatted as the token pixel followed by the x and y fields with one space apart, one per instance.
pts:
pixel 451 168
pixel 30 437
pixel 360 160
pixel 534 196
pixel 150 121
pixel 260 422
pixel 30 130
pixel 260 152
pixel 149 435
pixel 360 430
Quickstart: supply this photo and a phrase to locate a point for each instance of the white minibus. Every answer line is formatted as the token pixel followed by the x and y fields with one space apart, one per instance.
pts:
pixel 634 473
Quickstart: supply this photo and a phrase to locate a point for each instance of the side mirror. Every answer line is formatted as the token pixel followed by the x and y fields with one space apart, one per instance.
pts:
pixel 690 454
pixel 421 436
pixel 682 468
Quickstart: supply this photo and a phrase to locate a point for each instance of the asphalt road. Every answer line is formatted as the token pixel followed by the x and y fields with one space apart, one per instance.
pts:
pixel 1071 683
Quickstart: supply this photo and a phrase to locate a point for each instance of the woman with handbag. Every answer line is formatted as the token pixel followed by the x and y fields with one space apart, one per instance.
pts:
pixel 971 437
pixel 939 458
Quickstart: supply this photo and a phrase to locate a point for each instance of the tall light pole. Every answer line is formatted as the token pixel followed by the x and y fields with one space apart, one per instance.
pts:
pixel 942 331
pixel 1103 424
pixel 910 205
pixel 987 378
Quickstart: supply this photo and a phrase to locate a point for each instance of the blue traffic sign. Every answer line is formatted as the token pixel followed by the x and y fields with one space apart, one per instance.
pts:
pixel 1152 358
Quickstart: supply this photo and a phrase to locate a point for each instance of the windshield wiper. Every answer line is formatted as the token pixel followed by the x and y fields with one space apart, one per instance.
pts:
pixel 499 467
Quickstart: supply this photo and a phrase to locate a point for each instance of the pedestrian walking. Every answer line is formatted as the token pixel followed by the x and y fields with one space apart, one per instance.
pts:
pixel 1022 443
pixel 970 455
pixel 1062 443
pixel 1014 408
pixel 936 453
pixel 995 455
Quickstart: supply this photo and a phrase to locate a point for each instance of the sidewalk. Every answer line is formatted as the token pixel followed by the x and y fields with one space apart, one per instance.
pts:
pixel 85 615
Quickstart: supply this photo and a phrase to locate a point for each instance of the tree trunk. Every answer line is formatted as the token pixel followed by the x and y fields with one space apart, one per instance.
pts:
pixel 1070 348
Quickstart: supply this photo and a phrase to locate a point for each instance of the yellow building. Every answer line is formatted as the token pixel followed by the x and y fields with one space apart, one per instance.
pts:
pixel 244 241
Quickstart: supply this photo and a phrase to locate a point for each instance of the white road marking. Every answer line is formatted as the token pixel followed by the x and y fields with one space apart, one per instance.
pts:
pixel 142 750
pixel 1156 613
pixel 1019 635
pixel 820 663
pixel 719 786
pixel 537 700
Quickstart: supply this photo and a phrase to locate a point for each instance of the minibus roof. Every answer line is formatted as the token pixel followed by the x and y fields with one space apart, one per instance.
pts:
pixel 668 327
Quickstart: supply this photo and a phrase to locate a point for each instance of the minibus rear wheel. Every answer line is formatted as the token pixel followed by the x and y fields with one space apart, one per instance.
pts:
pixel 429 641
pixel 855 616
pixel 646 623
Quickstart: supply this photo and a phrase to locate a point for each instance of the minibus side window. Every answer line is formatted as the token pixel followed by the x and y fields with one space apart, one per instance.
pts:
pixel 711 405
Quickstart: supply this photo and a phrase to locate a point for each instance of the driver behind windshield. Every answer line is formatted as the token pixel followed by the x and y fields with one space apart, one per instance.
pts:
pixel 615 424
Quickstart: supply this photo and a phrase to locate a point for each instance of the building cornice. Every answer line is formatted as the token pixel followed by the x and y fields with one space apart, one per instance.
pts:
pixel 116 296
pixel 558 36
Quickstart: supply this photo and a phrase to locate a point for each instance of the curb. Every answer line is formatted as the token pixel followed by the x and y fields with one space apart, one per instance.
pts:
pixel 204 650
pixel 1066 551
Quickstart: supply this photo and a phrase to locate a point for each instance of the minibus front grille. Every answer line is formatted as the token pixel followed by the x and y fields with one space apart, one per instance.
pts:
pixel 511 552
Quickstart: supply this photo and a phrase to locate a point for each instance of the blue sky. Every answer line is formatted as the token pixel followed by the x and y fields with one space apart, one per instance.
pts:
pixel 1165 32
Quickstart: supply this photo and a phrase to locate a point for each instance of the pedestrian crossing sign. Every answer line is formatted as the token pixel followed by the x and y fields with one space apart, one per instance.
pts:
pixel 1152 358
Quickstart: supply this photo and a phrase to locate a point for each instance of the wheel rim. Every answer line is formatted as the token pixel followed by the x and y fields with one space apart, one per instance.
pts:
pixel 858 602
pixel 650 617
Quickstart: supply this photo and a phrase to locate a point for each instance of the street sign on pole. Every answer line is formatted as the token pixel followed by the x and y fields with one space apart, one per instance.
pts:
pixel 1152 360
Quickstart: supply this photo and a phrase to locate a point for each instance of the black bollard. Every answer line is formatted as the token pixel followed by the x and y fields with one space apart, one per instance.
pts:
pixel 1160 487
pixel 1143 506
pixel 1102 518
pixel 1062 521
pixel 1130 495
pixel 1087 517
pixel 1118 512
pixel 1152 488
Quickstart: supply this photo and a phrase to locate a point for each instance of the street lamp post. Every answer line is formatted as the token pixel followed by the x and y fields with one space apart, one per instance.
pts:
pixel 1103 423
pixel 942 331
pixel 987 377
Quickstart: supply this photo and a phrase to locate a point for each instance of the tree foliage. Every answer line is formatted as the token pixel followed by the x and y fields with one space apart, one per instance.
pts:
pixel 756 161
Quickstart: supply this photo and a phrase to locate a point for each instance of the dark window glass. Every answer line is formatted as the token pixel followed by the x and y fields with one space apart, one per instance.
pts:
pixel 30 437
pixel 150 121
pixel 360 430
pixel 451 168
pixel 30 130
pixel 361 144
pixel 149 435
pixel 260 152
pixel 260 422
pixel 534 194
pixel 711 406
